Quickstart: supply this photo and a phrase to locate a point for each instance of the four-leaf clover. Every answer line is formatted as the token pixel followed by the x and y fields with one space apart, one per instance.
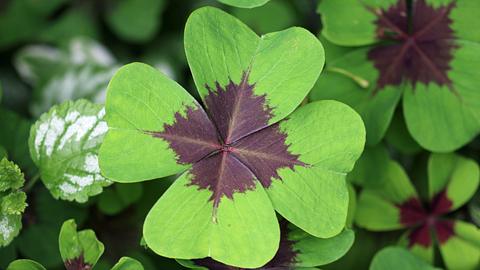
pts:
pixel 241 156
pixel 425 52
pixel 392 203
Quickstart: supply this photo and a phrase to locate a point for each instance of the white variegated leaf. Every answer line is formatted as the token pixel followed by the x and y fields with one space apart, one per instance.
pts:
pixel 64 144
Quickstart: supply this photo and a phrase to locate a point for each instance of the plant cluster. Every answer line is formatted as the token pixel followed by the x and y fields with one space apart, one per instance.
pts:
pixel 219 135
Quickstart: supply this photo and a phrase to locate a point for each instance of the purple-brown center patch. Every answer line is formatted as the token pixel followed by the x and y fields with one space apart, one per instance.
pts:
pixel 427 220
pixel 417 45
pixel 77 264
pixel 231 144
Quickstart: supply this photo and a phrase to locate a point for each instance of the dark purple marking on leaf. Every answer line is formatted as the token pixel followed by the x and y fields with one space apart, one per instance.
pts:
pixel 284 258
pixel 191 137
pixel 223 174
pixel 77 264
pixel 441 204
pixel 264 152
pixel 420 52
pixel 444 230
pixel 425 220
pixel 236 110
pixel 234 148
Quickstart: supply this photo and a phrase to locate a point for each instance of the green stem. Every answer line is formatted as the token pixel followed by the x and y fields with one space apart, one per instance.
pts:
pixel 31 182
pixel 359 80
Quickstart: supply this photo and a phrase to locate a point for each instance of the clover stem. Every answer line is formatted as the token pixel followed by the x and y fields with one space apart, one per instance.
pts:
pixel 31 182
pixel 359 80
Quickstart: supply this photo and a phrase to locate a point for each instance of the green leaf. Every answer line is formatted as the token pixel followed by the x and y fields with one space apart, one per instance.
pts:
pixel 474 208
pixel 126 263
pixel 427 253
pixel 462 251
pixel 10 226
pixel 350 23
pixel 398 258
pixel 312 251
pixel 372 166
pixel 377 205
pixel 220 48
pixel 64 144
pixel 331 150
pixel 50 215
pixel 120 196
pixel 12 201
pixel 244 3
pixel 458 176
pixel 11 177
pixel 76 22
pixel 352 206
pixel 342 81
pixel 25 264
pixel 457 109
pixel 189 229
pixel 273 16
pixel 22 20
pixel 81 246
pixel 398 136
pixel 333 51
pixel 135 20
pixel 136 86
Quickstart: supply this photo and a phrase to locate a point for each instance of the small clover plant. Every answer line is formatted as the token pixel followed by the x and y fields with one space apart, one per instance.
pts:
pixel 398 258
pixel 242 156
pixel 422 50
pixel 393 203
pixel 80 250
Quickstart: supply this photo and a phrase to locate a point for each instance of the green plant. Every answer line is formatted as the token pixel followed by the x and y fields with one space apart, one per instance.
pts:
pixel 236 154
pixel 239 134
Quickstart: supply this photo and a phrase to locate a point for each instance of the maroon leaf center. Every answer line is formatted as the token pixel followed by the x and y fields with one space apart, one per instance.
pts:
pixel 416 46
pixel 424 221
pixel 77 264
pixel 231 145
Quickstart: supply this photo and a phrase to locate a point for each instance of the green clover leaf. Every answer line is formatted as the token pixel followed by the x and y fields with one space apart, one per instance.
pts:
pixel 432 67
pixel 297 250
pixel 64 144
pixel 244 3
pixel 126 263
pixel 78 249
pixel 393 204
pixel 135 20
pixel 244 154
pixel 12 201
pixel 24 264
pixel 397 258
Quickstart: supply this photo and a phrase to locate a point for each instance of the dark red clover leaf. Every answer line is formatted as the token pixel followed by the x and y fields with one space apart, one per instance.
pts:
pixel 424 220
pixel 230 143
pixel 417 45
